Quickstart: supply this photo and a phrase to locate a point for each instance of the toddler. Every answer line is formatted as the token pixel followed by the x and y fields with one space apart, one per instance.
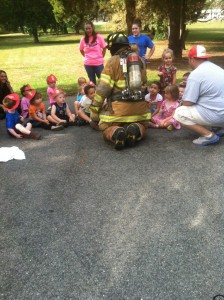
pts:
pixel 14 123
pixel 81 84
pixel 167 72
pixel 25 101
pixel 37 114
pixel 184 78
pixel 51 81
pixel 181 89
pixel 153 97
pixel 84 106
pixel 163 116
pixel 60 112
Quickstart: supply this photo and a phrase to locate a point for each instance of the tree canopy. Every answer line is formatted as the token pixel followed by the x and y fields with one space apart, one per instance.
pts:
pixel 166 16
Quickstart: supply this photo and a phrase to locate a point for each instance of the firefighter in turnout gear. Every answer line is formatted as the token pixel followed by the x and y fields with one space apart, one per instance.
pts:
pixel 119 104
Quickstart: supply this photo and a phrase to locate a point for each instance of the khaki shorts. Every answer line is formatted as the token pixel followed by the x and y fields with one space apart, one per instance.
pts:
pixel 188 115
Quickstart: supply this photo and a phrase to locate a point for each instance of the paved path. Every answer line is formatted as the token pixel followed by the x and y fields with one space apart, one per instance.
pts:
pixel 80 220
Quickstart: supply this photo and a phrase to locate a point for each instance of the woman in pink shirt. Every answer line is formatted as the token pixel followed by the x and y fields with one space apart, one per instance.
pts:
pixel 93 47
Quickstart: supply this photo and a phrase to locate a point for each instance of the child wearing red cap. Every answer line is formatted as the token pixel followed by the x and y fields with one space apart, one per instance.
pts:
pixel 37 114
pixel 51 81
pixel 60 112
pixel 14 124
pixel 25 101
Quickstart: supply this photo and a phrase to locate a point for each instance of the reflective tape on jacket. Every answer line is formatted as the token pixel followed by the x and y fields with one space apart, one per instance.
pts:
pixel 120 84
pixel 94 108
pixel 125 119
pixel 98 99
pixel 107 80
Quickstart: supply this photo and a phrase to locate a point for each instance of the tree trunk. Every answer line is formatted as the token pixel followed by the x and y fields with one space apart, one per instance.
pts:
pixel 174 36
pixel 130 14
pixel 35 35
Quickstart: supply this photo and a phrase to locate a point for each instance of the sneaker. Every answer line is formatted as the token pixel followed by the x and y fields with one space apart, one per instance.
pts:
pixel 32 135
pixel 119 138
pixel 218 131
pixel 57 127
pixel 170 127
pixel 132 133
pixel 204 141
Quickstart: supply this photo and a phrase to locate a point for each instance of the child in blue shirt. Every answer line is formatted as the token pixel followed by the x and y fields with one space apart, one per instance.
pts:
pixel 14 122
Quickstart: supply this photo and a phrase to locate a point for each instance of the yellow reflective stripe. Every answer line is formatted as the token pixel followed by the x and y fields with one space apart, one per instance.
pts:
pixel 127 119
pixel 94 108
pixel 98 98
pixel 120 83
pixel 107 80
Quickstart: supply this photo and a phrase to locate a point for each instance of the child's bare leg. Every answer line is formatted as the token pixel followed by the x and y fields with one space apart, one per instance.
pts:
pixel 51 119
pixel 28 126
pixel 82 114
pixel 153 125
pixel 76 107
pixel 22 129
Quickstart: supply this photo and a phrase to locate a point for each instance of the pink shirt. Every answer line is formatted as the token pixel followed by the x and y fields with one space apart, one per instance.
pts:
pixel 50 93
pixel 93 52
pixel 25 104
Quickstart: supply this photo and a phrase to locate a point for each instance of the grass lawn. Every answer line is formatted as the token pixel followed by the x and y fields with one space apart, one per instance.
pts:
pixel 26 62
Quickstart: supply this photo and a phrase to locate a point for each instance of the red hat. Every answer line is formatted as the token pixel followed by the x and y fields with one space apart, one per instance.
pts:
pixel 30 94
pixel 90 83
pixel 28 88
pixel 13 97
pixel 51 78
pixel 57 92
pixel 198 52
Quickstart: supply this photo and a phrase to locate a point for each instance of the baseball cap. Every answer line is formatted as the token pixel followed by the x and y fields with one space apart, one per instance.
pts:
pixel 57 92
pixel 15 98
pixel 51 78
pixel 198 51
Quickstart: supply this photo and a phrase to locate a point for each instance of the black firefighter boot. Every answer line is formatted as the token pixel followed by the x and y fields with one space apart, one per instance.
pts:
pixel 132 133
pixel 119 138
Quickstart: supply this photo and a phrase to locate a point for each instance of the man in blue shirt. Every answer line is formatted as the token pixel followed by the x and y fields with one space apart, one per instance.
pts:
pixel 143 41
pixel 203 99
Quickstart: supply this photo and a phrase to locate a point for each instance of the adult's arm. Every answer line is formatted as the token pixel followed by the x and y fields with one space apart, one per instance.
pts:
pixel 104 51
pixel 150 53
pixel 82 52
pixel 187 103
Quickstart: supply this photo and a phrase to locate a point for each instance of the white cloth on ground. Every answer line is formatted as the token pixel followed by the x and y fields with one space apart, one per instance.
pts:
pixel 8 153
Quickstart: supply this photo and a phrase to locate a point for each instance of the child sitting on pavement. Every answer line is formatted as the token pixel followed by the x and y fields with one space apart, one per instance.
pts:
pixel 163 116
pixel 184 78
pixel 51 81
pixel 14 122
pixel 25 101
pixel 84 106
pixel 37 114
pixel 60 112
pixel 181 89
pixel 81 84
pixel 153 97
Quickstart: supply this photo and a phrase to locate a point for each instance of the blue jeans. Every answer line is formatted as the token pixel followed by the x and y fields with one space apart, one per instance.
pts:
pixel 93 71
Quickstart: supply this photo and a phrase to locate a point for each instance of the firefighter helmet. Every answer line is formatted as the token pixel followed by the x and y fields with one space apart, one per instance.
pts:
pixel 117 38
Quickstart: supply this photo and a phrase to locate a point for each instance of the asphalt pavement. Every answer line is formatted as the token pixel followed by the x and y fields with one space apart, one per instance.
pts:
pixel 80 220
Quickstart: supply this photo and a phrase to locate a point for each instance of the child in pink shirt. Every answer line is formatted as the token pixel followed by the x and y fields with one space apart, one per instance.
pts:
pixel 25 101
pixel 51 81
